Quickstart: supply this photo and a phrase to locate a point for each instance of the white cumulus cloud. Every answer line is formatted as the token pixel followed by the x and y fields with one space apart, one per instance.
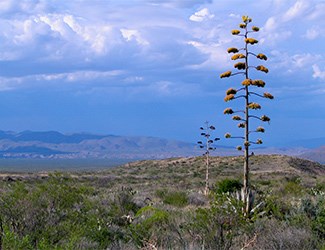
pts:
pixel 132 34
pixel 201 15
pixel 296 10
pixel 318 73
pixel 314 33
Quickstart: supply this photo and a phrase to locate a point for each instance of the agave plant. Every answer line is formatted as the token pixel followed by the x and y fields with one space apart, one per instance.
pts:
pixel 247 91
pixel 207 145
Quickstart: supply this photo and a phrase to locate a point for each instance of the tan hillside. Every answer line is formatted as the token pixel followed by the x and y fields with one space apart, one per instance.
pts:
pixel 188 173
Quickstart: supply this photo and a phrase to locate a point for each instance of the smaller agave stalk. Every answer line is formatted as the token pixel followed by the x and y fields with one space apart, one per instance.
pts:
pixel 208 145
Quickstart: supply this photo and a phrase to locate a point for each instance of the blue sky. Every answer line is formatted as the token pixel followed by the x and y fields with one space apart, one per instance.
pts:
pixel 151 67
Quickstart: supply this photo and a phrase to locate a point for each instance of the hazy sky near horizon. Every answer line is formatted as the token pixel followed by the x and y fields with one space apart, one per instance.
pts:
pixel 151 67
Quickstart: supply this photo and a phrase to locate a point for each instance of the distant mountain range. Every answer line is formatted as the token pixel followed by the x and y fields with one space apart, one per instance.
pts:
pixel 53 144
pixel 317 154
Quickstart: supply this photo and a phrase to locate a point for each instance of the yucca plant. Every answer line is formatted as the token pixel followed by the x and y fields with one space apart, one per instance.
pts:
pixel 247 91
pixel 208 145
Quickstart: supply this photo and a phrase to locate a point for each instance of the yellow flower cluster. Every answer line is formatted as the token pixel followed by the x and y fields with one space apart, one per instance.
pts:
pixel 225 74
pixel 242 25
pixel 268 95
pixel 229 97
pixel 261 56
pixel 260 129
pixel 236 118
pixel 240 65
pixel 237 56
pixel 241 125
pixel 231 91
pixel 228 111
pixel 258 83
pixel 247 144
pixel 259 141
pixel 256 29
pixel 246 19
pixel 262 68
pixel 228 135
pixel 235 32
pixel 251 40
pixel 254 105
pixel 232 50
pixel 239 148
pixel 246 82
pixel 265 118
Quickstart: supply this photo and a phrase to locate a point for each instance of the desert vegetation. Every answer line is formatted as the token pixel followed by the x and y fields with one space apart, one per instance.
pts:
pixel 161 205
pixel 179 203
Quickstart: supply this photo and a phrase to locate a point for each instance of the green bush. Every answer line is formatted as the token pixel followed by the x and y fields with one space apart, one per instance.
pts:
pixel 161 193
pixel 13 241
pixel 177 199
pixel 174 198
pixel 318 222
pixel 293 188
pixel 54 213
pixel 149 223
pixel 227 186
pixel 216 227
pixel 123 206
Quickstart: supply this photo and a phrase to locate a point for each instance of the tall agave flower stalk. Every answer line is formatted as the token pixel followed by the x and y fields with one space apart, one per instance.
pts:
pixel 247 91
pixel 207 145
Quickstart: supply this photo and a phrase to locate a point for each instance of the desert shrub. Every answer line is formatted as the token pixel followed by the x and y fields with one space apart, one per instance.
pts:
pixel 113 219
pixel 227 186
pixel 13 241
pixel 54 213
pixel 197 174
pixel 318 220
pixel 161 193
pixel 320 186
pixel 319 189
pixel 275 207
pixel 275 234
pixel 318 224
pixel 103 229
pixel 215 227
pixel 123 206
pixel 309 214
pixel 173 198
pixel 150 224
pixel 265 182
pixel 197 199
pixel 177 199
pixel 293 187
